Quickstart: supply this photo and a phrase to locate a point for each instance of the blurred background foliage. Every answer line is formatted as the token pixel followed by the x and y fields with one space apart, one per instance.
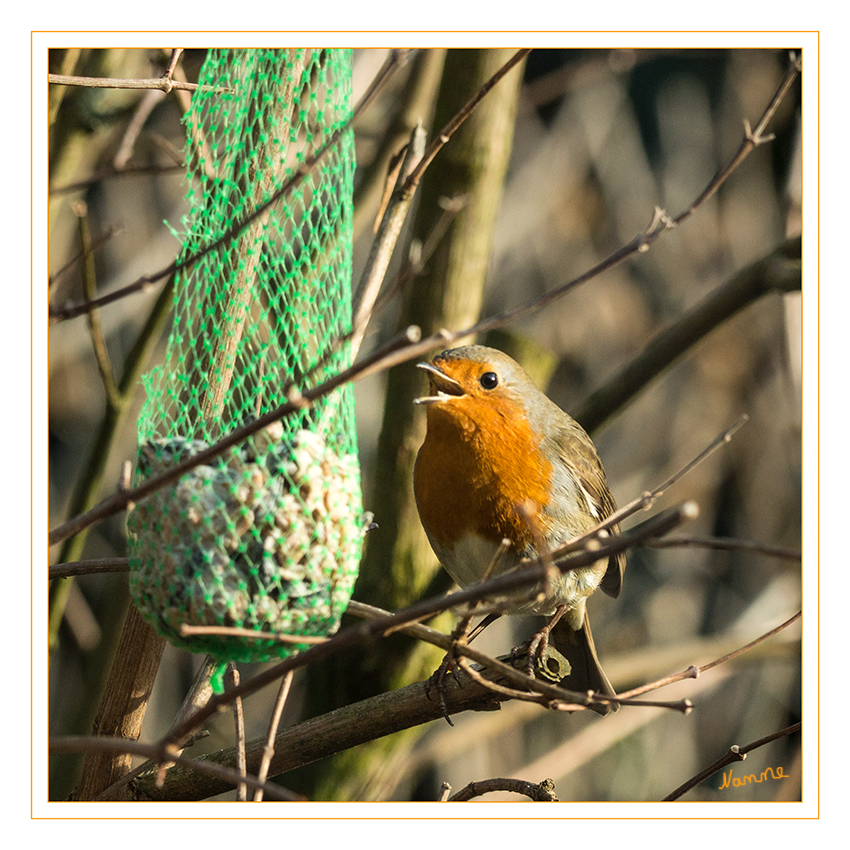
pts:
pixel 589 143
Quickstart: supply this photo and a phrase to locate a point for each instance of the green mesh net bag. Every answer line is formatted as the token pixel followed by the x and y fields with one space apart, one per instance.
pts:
pixel 266 537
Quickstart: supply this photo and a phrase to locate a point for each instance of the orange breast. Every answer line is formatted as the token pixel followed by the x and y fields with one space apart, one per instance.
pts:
pixel 478 463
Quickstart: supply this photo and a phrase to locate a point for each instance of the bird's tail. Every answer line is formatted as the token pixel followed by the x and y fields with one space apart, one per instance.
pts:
pixel 586 672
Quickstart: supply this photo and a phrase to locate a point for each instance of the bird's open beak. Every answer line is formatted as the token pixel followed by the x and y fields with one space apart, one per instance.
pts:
pixel 442 386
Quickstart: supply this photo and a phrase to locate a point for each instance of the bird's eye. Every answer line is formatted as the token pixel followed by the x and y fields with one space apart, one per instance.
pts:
pixel 489 380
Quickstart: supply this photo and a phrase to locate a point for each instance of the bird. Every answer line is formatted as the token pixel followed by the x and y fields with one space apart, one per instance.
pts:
pixel 502 462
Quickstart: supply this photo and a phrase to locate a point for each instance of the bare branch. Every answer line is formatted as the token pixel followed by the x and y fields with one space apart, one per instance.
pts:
pixel 232 631
pixel 693 671
pixel 82 744
pixel 661 224
pixel 779 271
pixel 165 83
pixel 544 792
pixel 728 544
pixel 239 720
pixel 496 587
pixel 735 753
pixel 375 717
pixel 385 240
pixel 268 752
pixel 81 568
pixel 101 352
pixel 451 128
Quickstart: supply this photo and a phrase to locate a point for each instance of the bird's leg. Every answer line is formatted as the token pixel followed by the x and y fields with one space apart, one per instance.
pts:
pixel 460 636
pixel 539 643
pixel 488 620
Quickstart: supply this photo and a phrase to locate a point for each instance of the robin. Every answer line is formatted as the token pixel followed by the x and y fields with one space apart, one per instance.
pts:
pixel 501 461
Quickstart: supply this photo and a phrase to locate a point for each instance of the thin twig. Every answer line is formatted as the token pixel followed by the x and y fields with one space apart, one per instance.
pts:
pixel 268 751
pixel 419 257
pixel 198 696
pixel 729 544
pixel 779 271
pixel 107 174
pixel 451 207
pixel 165 84
pixel 457 120
pixel 416 160
pixel 659 225
pixel 88 485
pixel 693 671
pixel 649 497
pixel 461 635
pixel 384 243
pixel 96 245
pixel 350 725
pixel 299 735
pixel 128 141
pixel 509 693
pixel 176 53
pixel 720 440
pixel 753 138
pixel 554 696
pixel 121 499
pixel 733 754
pixel 101 352
pixel 239 720
pixel 187 630
pixel 399 354
pixel 533 690
pixel 646 500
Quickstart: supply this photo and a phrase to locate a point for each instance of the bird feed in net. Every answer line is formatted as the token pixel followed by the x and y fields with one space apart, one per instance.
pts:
pixel 264 539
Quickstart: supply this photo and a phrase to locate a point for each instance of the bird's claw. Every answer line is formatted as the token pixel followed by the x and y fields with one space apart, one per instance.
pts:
pixel 533 651
pixel 448 665
pixel 437 681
